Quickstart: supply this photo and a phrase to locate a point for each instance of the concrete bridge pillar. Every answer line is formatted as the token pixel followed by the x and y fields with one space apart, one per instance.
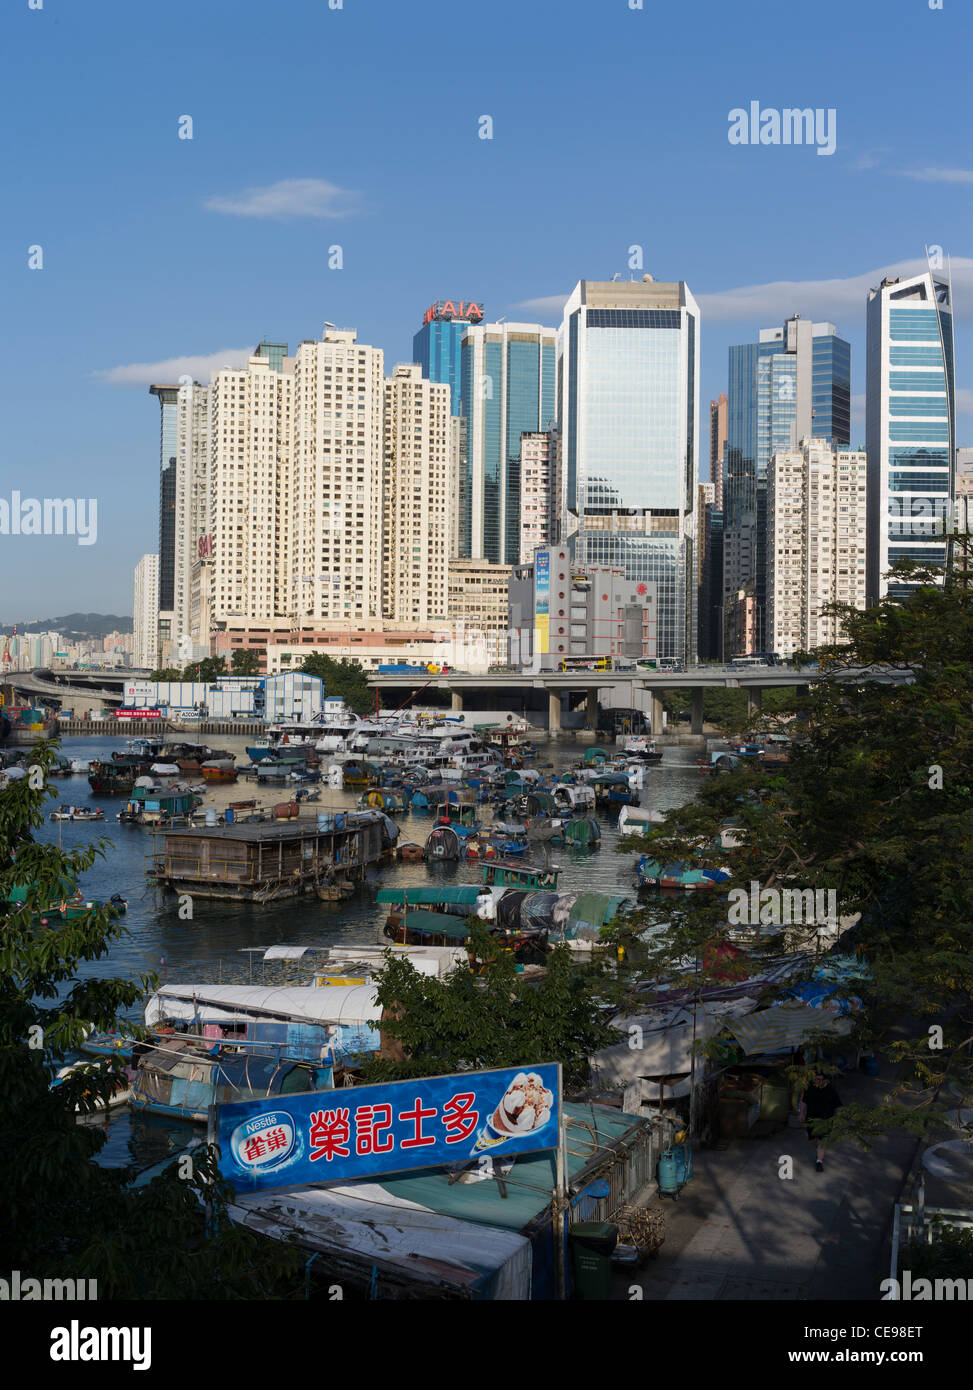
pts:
pixel 755 701
pixel 655 714
pixel 591 708
pixel 554 712
pixel 456 701
pixel 697 716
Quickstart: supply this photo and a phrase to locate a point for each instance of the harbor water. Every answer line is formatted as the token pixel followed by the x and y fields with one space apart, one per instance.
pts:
pixel 223 941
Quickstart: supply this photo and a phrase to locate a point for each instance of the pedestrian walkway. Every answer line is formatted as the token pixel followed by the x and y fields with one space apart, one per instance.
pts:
pixel 740 1230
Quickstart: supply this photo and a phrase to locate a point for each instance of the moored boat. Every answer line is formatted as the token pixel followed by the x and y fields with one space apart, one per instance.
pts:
pixel 219 770
pixel 652 873
pixel 120 1093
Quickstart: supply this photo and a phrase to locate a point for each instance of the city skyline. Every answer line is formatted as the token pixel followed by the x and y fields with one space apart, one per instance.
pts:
pixel 147 238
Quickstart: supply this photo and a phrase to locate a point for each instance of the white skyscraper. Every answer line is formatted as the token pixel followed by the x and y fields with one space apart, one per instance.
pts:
pixel 816 529
pixel 249 487
pixel 536 483
pixel 416 510
pixel 628 407
pixel 336 495
pixel 909 424
pixel 146 612
pixel 192 509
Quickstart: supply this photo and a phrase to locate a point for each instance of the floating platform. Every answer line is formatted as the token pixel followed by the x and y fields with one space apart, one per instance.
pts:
pixel 260 863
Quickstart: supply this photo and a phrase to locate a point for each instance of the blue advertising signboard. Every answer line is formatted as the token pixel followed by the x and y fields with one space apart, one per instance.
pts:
pixel 365 1131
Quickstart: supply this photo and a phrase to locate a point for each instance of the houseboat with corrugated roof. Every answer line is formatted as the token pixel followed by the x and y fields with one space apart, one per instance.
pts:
pixel 257 863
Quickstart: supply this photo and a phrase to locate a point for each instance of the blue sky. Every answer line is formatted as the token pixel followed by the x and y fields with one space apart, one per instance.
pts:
pixel 359 127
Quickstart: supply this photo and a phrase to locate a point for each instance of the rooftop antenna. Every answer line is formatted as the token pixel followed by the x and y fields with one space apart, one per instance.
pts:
pixel 616 276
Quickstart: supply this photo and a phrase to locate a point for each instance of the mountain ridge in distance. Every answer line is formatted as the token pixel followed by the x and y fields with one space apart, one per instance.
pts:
pixel 74 625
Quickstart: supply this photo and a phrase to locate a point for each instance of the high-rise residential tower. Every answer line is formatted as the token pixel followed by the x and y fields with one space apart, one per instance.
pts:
pixel 416 511
pixel 717 446
pixel 168 398
pixel 337 479
pixel 816 517
pixel 250 488
pixel 628 407
pixel 507 390
pixel 192 513
pixel 536 484
pixel 792 384
pixel 146 613
pixel 910 424
pixel 437 347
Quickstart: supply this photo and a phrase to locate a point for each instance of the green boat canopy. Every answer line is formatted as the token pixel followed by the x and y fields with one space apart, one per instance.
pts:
pixel 594 753
pixel 463 894
pixel 436 924
pixel 19 891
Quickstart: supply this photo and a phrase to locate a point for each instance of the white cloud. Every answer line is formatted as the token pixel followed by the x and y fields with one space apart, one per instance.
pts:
pixel 169 371
pixel 932 175
pixel 551 306
pixel 869 159
pixel 288 199
pixel 824 299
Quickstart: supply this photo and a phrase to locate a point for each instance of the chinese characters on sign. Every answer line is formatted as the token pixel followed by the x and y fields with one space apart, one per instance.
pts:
pixel 335 1136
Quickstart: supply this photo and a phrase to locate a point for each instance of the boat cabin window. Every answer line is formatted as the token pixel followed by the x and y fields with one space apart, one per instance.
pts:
pixel 296 1080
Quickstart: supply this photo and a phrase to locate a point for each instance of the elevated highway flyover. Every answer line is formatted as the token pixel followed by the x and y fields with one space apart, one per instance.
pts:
pixel 596 684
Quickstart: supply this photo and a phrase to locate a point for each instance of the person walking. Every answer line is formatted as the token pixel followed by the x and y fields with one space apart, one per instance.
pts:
pixel 820 1101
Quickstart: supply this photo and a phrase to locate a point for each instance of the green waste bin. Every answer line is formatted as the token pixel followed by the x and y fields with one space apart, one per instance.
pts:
pixel 592 1243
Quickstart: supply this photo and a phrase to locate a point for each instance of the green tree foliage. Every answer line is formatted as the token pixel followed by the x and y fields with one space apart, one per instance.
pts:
pixel 492 1018
pixel 166 673
pixel 345 679
pixel 949 1255
pixel 727 709
pixel 245 662
pixel 876 803
pixel 61 1214
pixel 209 669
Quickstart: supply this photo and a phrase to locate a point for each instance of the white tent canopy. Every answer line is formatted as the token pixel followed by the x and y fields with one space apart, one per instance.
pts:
pixel 664 1047
pixel 366 1221
pixel 342 1004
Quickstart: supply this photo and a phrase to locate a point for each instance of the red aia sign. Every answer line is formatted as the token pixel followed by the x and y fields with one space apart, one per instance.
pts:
pixel 458 309
pixel 205 547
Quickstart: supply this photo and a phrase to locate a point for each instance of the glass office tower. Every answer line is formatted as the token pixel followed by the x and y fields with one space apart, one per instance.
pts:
pixel 628 395
pixel 168 397
pixel 910 425
pixel 438 346
pixel 507 391
pixel 794 383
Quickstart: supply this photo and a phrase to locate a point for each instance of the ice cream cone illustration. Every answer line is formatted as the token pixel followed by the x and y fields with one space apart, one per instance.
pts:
pixel 524 1109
